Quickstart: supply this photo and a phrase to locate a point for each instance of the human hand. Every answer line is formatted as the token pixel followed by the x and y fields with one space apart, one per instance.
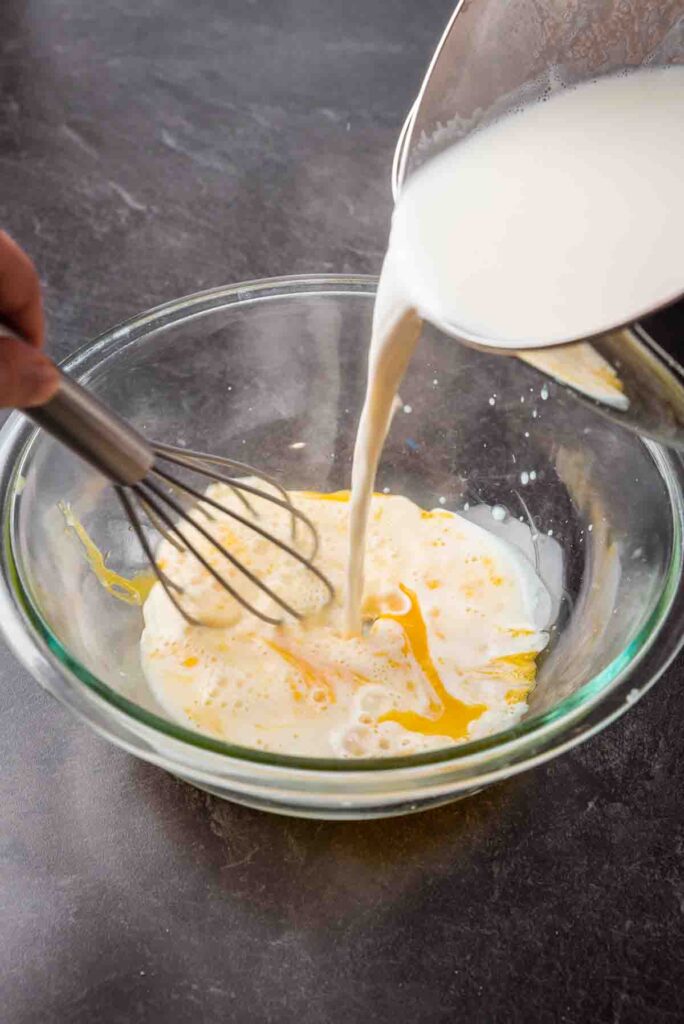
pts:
pixel 27 376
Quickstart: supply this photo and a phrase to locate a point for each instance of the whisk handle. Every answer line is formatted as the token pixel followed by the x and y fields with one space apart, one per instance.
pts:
pixel 82 422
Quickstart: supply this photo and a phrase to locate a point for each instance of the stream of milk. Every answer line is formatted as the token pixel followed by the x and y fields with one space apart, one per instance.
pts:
pixel 555 222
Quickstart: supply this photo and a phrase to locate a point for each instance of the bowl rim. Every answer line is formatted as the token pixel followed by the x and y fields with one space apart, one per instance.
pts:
pixel 597 703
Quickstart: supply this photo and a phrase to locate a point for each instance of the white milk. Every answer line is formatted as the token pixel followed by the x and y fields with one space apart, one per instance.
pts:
pixel 556 222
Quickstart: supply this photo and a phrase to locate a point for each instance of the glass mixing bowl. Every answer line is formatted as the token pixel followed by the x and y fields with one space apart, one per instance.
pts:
pixel 273 373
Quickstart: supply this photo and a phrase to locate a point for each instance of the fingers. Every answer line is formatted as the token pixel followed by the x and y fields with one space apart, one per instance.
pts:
pixel 27 377
pixel 21 307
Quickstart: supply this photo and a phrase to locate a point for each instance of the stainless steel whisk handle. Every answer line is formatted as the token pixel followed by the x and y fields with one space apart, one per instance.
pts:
pixel 95 432
pixel 92 430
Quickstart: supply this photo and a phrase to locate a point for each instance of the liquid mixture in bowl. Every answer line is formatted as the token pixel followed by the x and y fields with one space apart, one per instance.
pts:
pixel 453 620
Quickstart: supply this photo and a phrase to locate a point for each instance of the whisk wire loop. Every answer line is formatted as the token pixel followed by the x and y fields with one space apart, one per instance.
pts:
pixel 141 491
pixel 170 588
pixel 208 536
pixel 195 462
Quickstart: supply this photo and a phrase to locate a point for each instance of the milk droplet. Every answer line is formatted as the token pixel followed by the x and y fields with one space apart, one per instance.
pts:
pixel 524 478
pixel 499 513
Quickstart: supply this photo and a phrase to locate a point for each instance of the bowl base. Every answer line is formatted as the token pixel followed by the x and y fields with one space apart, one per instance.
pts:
pixel 331 812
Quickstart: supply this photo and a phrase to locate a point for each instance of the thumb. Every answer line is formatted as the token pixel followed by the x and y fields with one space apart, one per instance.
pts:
pixel 27 377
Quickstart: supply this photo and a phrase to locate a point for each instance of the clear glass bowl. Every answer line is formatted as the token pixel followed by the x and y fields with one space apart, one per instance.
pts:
pixel 249 371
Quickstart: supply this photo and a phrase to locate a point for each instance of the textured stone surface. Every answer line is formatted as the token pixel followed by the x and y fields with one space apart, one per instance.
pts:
pixel 148 150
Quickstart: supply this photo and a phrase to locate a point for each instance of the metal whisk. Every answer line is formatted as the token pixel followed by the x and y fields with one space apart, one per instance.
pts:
pixel 141 472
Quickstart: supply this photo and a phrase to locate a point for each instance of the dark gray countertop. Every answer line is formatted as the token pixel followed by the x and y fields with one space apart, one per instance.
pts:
pixel 149 149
